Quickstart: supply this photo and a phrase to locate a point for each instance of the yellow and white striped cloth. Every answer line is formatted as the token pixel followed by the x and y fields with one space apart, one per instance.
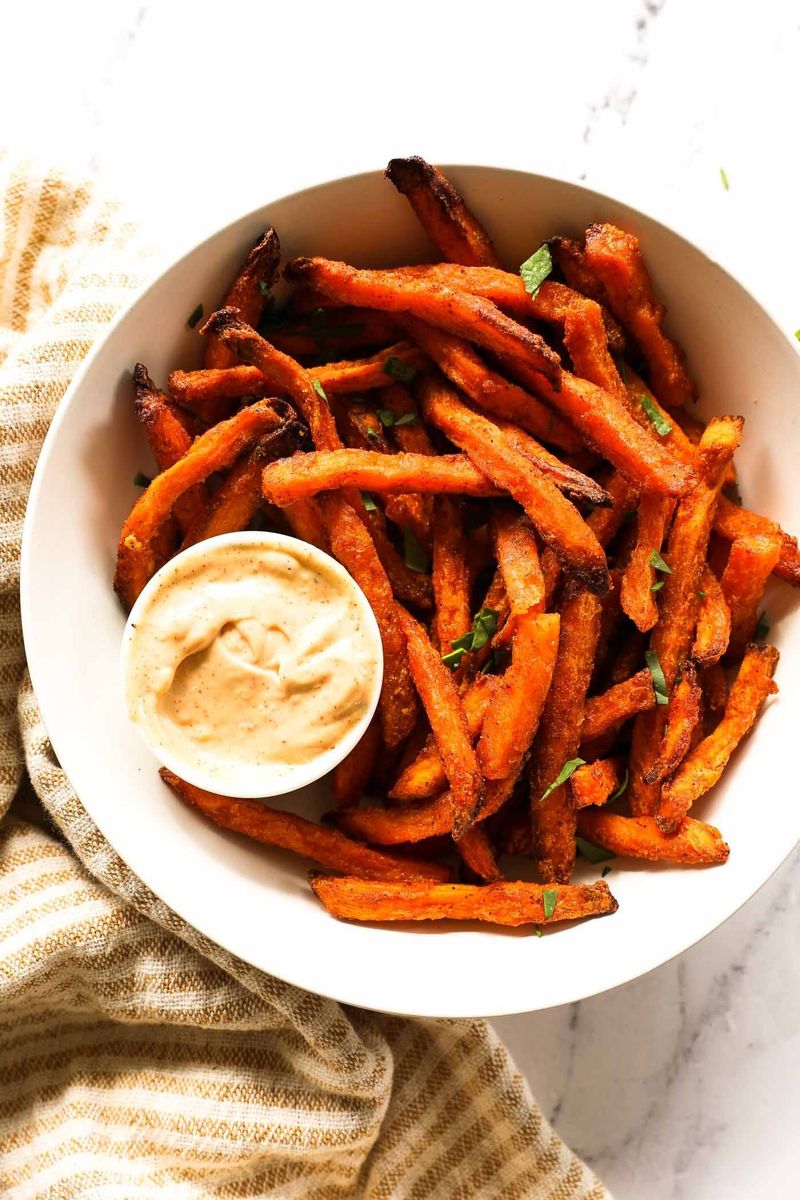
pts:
pixel 137 1059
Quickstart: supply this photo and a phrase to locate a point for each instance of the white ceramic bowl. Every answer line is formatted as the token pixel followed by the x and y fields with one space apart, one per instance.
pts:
pixel 256 781
pixel 256 902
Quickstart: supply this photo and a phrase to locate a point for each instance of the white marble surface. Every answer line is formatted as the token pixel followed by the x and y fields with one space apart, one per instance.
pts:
pixel 683 1084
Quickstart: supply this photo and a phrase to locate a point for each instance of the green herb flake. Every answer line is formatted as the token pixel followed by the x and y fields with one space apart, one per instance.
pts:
pixel 373 435
pixel 659 682
pixel 453 658
pixel 385 416
pixel 263 287
pixel 762 628
pixel 725 181
pixel 194 316
pixel 657 563
pixel 537 931
pixel 568 769
pixel 621 789
pixel 369 503
pixel 657 586
pixel 415 556
pixel 592 853
pixel 605 871
pixel 549 897
pixel 395 368
pixel 406 419
pixel 497 661
pixel 484 627
pixel 535 269
pixel 655 416
pixel 702 595
pixel 319 389
pixel 141 480
pixel 797 334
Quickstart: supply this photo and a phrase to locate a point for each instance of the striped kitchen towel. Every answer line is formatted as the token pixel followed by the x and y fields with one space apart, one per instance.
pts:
pixel 137 1059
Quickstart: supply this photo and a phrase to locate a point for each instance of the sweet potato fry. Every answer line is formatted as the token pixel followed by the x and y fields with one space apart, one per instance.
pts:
pixel 713 621
pixel 476 852
pixel 489 390
pixel 622 701
pixel 195 389
pixel 605 523
pixel 306 522
pixel 497 903
pixel 683 717
pixel 327 332
pixel 411 437
pixel 615 258
pixel 750 563
pixel 595 783
pixel 571 482
pixel 323 470
pixel 703 767
pixel 168 439
pixel 552 815
pixel 693 843
pixel 454 231
pixel 558 523
pixel 570 258
pixel 450 575
pixel 463 314
pixel 353 773
pixel 212 451
pixel 352 545
pixel 686 554
pixel 637 596
pixel 444 711
pixel 732 522
pixel 417 822
pixel 274 827
pixel 409 586
pixel 714 682
pixel 517 557
pixel 640 399
pixel 511 722
pixel 248 294
pixel 425 776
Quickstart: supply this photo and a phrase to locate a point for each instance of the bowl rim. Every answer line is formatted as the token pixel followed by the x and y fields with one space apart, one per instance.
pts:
pixel 152 281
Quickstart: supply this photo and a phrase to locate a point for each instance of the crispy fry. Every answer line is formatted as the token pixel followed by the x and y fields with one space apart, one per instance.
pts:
pixel 477 853
pixel 306 522
pixel 558 523
pixel 750 563
pixel 713 621
pixel 248 294
pixel 352 774
pixel 622 701
pixel 703 767
pixel 463 314
pixel 442 705
pixel 454 230
pixel 409 586
pixel 352 545
pixel 605 523
pixel 275 827
pixel 212 451
pixel 195 389
pixel 412 437
pixel 571 482
pixel 595 783
pixel 570 257
pixel 513 717
pixel 615 258
pixel 500 904
pixel 329 331
pixel 683 717
pixel 450 575
pixel 715 687
pixel 552 815
pixel 425 776
pixel 676 439
pixel 637 597
pixel 497 903
pixel 686 554
pixel 518 559
pixel 488 389
pixel 732 522
pixel 169 440
pixel 323 470
pixel 693 843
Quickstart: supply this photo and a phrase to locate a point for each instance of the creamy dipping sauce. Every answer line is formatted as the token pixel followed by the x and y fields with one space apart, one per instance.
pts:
pixel 252 655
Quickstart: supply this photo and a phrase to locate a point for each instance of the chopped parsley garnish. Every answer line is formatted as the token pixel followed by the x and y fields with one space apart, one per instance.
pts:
pixel 140 480
pixel 497 661
pixel 657 563
pixel 797 334
pixel 535 269
pixel 762 628
pixel 621 789
pixel 415 556
pixel 725 181
pixel 484 627
pixel 657 586
pixel 194 316
pixel 369 503
pixel 702 595
pixel 373 435
pixel 655 416
pixel 594 854
pixel 537 929
pixel 549 897
pixel 319 389
pixel 263 287
pixel 395 368
pixel 605 871
pixel 659 682
pixel 388 419
pixel 568 769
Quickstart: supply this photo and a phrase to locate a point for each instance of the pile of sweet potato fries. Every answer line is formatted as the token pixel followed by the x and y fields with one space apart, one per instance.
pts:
pixel 509 467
